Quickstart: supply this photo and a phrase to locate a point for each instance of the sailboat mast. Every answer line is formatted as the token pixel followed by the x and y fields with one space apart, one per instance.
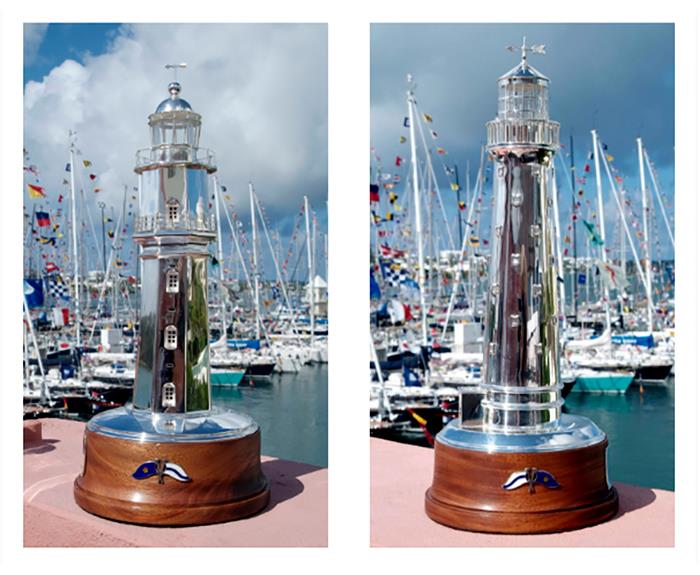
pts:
pixel 310 261
pixel 645 224
pixel 220 255
pixel 256 280
pixel 654 181
pixel 74 234
pixel 557 243
pixel 601 220
pixel 459 200
pixel 30 326
pixel 418 219
pixel 573 223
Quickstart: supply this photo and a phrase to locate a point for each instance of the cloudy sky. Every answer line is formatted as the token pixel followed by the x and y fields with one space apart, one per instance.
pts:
pixel 618 79
pixel 261 89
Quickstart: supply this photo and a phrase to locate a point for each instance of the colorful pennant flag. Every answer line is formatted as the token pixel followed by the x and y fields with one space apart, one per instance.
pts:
pixel 373 193
pixel 43 219
pixel 35 192
pixel 592 234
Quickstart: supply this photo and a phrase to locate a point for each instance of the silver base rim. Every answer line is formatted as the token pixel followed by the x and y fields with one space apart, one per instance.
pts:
pixel 569 432
pixel 145 426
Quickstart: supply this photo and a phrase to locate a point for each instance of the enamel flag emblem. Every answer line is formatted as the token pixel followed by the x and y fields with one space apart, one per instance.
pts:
pixel 530 476
pixel 161 468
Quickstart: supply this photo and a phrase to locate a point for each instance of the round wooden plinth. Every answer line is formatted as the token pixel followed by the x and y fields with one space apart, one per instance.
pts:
pixel 225 480
pixel 468 493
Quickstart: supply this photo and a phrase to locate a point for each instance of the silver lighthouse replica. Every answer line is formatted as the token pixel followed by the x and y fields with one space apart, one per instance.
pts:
pixel 171 457
pixel 518 464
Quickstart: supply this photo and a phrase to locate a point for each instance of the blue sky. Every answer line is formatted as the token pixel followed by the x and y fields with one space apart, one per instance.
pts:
pixel 63 41
pixel 616 78
pixel 261 90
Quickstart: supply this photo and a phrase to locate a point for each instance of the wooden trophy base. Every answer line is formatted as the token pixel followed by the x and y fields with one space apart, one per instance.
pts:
pixel 549 491
pixel 171 483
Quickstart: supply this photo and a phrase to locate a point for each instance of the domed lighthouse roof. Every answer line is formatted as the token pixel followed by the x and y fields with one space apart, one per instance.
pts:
pixel 175 129
pixel 174 102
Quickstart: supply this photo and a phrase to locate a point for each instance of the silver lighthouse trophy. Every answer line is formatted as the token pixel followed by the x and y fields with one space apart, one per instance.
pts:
pixel 520 465
pixel 171 457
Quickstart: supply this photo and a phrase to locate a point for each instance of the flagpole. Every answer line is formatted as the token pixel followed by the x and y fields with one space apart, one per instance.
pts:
pixel 601 220
pixel 74 233
pixel 419 222
pixel 645 224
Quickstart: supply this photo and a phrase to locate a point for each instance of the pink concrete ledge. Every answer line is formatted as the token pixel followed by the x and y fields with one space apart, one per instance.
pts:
pixel 297 515
pixel 400 474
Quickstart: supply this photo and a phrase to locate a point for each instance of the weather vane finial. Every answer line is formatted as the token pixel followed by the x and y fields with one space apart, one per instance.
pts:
pixel 174 68
pixel 524 49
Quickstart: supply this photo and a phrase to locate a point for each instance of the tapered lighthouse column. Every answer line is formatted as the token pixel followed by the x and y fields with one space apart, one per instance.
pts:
pixel 171 458
pixel 520 465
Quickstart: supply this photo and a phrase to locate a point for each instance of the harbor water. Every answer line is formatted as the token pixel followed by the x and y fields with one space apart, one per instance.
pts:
pixel 640 428
pixel 291 409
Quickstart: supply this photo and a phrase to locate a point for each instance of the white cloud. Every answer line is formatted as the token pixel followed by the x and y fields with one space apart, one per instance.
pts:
pixel 261 89
pixel 33 37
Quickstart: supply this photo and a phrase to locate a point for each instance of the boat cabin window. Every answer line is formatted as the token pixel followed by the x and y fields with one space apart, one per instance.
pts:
pixel 171 337
pixel 168 396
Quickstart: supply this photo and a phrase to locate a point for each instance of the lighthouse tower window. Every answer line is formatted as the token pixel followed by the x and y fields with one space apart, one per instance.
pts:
pixel 173 211
pixel 168 395
pixel 171 337
pixel 171 281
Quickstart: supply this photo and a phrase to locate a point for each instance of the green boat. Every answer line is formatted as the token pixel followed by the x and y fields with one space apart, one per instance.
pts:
pixel 593 381
pixel 227 377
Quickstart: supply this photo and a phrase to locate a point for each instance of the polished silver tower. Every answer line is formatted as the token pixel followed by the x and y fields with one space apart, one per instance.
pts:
pixel 522 390
pixel 172 389
pixel 174 230
pixel 521 361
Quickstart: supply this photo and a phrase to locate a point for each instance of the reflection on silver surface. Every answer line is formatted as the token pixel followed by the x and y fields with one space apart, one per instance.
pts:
pixel 196 338
pixel 129 423
pixel 568 432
